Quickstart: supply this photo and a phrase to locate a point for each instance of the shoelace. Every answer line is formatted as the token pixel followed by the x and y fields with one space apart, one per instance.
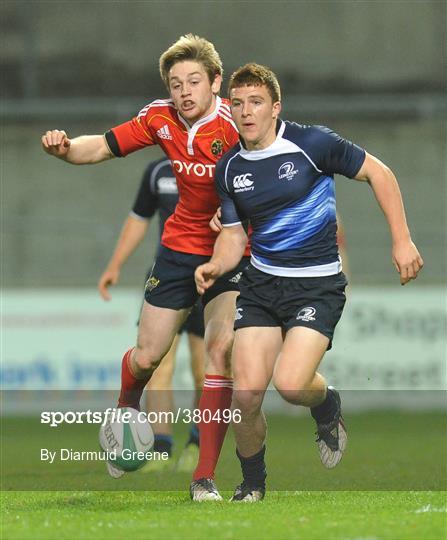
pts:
pixel 326 429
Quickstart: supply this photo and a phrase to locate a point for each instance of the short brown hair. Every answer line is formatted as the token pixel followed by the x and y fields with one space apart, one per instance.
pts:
pixel 256 75
pixel 194 48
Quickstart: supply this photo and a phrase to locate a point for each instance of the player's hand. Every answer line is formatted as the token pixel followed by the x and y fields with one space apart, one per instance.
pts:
pixel 108 278
pixel 407 261
pixel 205 276
pixel 215 223
pixel 56 143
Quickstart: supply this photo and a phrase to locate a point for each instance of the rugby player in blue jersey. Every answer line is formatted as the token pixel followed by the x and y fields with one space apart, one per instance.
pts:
pixel 281 178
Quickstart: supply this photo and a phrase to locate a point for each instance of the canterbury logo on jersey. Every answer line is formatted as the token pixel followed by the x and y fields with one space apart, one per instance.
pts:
pixel 242 182
pixel 164 133
pixel 198 169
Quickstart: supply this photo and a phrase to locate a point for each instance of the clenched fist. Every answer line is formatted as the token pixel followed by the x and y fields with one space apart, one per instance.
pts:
pixel 56 143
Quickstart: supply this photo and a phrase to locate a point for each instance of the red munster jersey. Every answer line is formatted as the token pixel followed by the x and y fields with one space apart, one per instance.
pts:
pixel 193 152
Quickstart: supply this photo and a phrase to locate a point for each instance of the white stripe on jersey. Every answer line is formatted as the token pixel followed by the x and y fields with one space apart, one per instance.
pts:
pixel 228 120
pixel 225 107
pixel 279 146
pixel 166 100
pixel 225 111
pixel 156 103
pixel 320 270
pixel 161 105
pixel 143 111
pixel 224 114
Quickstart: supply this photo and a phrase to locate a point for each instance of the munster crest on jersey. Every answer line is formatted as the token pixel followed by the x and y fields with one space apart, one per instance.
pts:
pixel 217 147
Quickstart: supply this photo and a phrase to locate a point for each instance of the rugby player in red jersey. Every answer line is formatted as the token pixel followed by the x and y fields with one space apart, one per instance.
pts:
pixel 194 128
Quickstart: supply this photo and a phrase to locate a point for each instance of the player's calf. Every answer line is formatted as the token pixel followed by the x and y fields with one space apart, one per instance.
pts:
pixel 131 386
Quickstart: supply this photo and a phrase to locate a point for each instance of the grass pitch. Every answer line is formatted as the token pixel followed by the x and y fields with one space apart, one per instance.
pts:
pixel 391 484
pixel 165 515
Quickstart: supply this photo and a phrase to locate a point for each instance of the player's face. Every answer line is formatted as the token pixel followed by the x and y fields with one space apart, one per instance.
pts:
pixel 191 90
pixel 255 115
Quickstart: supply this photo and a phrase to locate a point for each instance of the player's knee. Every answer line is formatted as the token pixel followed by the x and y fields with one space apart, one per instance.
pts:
pixel 293 390
pixel 248 401
pixel 146 358
pixel 218 352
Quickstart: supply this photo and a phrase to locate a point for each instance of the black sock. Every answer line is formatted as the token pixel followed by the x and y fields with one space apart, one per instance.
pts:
pixel 193 436
pixel 324 413
pixel 163 443
pixel 253 469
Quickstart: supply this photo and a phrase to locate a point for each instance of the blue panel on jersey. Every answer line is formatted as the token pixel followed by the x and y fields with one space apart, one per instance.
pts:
pixel 293 226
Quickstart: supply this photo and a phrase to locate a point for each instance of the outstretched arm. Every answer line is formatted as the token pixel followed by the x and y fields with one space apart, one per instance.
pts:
pixel 133 232
pixel 406 258
pixel 86 149
pixel 228 251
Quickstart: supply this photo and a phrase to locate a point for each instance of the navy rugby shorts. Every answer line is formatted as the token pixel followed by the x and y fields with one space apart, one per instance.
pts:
pixel 171 282
pixel 195 323
pixel 267 300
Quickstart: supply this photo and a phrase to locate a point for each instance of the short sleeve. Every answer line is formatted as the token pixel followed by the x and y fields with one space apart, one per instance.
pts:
pixel 131 136
pixel 146 201
pixel 334 154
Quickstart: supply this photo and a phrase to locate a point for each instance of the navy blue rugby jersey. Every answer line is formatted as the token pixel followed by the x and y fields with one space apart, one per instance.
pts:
pixel 158 191
pixel 287 192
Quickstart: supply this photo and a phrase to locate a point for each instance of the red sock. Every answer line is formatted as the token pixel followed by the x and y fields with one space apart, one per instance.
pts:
pixel 216 396
pixel 131 388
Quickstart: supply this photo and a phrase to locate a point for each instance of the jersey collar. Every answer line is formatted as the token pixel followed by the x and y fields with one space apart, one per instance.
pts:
pixel 192 130
pixel 254 155
pixel 203 120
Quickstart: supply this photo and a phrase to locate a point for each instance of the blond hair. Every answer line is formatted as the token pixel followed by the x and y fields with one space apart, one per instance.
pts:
pixel 196 49
pixel 256 75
